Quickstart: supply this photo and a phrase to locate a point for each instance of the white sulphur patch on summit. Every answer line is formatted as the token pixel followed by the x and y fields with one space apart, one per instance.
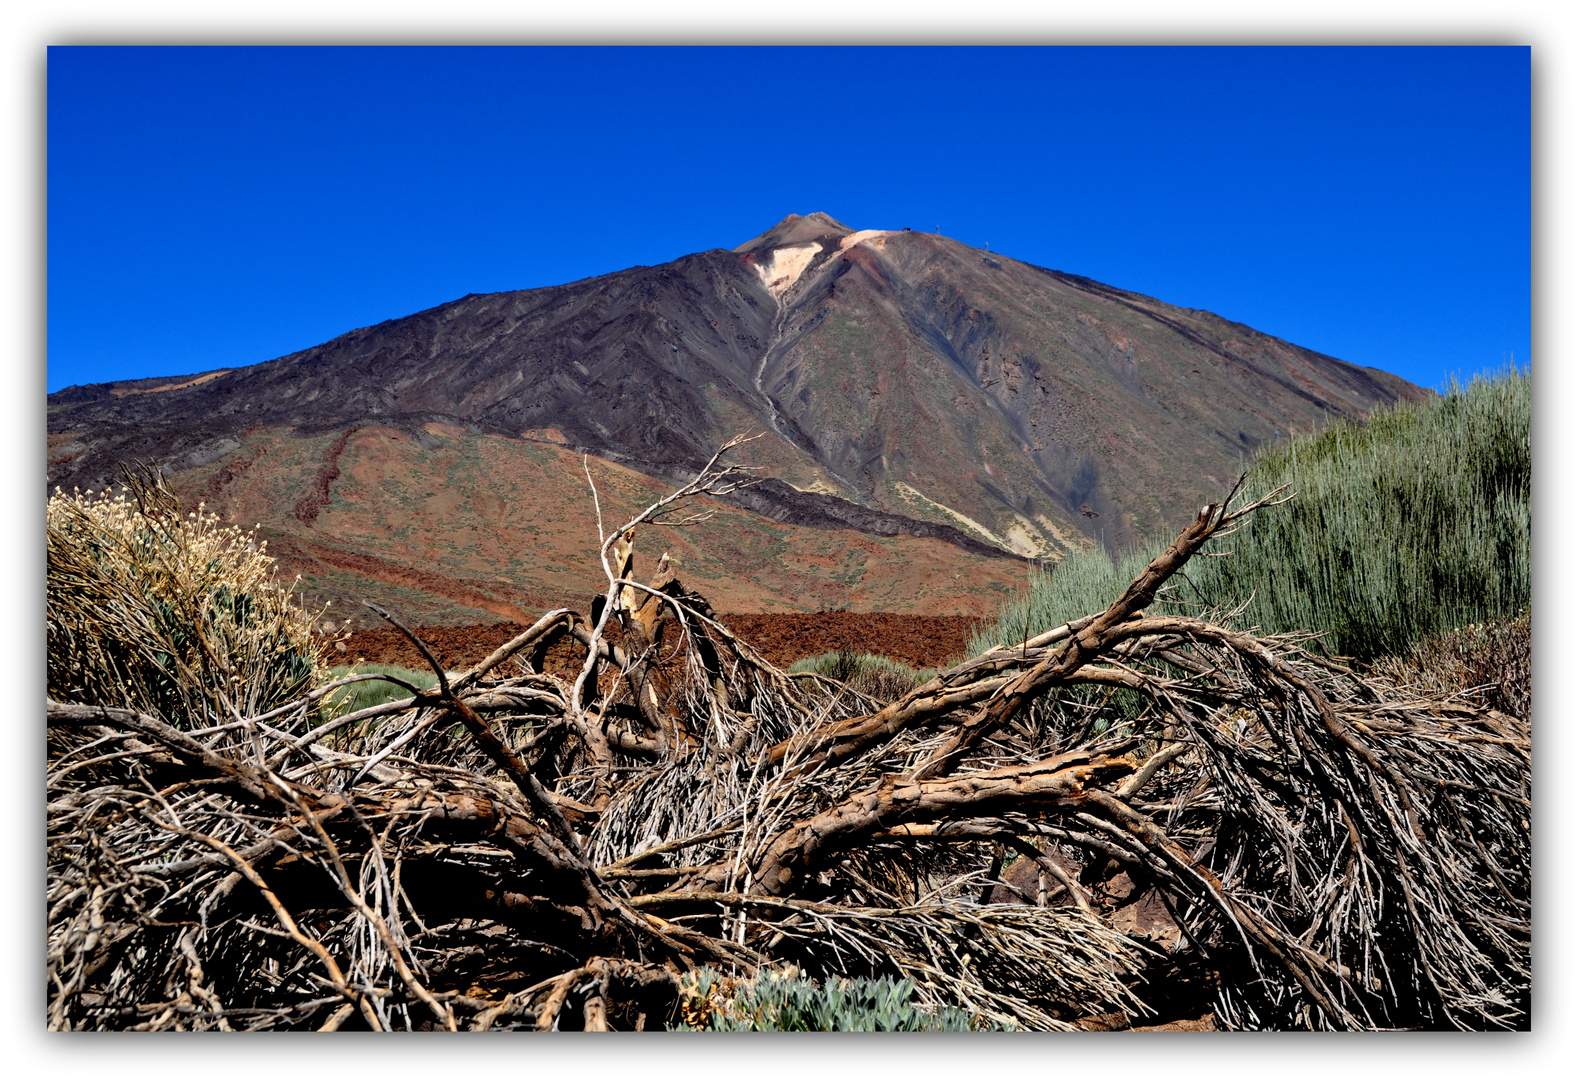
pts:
pixel 860 237
pixel 784 266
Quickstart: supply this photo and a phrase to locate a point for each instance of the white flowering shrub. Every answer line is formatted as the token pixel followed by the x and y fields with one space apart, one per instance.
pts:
pixel 153 609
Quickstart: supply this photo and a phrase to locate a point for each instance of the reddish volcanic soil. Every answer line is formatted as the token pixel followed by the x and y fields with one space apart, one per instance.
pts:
pixel 917 640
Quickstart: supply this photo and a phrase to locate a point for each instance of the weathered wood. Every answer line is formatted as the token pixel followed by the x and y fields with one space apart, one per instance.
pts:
pixel 519 850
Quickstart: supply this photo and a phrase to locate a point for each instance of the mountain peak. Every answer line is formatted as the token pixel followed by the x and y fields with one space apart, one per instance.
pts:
pixel 797 229
pixel 826 219
pixel 1038 411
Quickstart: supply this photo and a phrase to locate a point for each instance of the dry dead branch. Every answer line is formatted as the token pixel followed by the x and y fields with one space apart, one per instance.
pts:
pixel 1293 843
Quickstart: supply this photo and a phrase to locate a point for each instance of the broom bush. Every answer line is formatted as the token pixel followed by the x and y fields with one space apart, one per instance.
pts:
pixel 1413 523
pixel 1408 524
pixel 151 609
pixel 365 695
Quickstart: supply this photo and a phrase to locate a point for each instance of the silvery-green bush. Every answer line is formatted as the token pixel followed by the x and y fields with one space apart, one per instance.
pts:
pixel 1411 523
pixel 776 1002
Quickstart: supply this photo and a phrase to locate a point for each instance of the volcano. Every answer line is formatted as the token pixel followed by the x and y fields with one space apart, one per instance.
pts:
pixel 932 415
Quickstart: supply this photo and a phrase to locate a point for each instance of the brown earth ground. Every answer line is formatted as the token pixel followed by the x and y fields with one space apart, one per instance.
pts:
pixel 918 640
pixel 460 529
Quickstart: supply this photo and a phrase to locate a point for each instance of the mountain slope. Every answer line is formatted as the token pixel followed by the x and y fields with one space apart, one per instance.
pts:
pixel 905 383
pixel 1034 402
pixel 460 527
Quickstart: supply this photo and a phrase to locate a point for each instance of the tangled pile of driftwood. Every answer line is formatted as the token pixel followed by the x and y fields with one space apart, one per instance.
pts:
pixel 513 850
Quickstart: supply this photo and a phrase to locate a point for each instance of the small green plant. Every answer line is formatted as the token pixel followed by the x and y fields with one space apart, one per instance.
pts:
pixel 786 1001
pixel 878 676
pixel 365 695
pixel 153 609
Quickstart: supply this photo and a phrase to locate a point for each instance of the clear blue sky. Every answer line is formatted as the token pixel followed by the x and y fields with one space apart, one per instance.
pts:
pixel 219 207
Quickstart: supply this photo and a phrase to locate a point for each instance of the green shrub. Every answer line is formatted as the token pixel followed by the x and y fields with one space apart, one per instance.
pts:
pixel 148 608
pixel 776 1001
pixel 364 695
pixel 877 676
pixel 1084 583
pixel 1409 524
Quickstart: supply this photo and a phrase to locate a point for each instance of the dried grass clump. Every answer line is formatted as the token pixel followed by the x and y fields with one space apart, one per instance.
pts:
pixel 1490 661
pixel 151 609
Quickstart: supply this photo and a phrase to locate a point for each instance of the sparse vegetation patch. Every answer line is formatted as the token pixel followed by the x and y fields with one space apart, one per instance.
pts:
pixel 876 676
